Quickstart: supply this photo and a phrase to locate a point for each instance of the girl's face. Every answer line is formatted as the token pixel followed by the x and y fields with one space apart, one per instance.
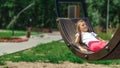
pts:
pixel 83 27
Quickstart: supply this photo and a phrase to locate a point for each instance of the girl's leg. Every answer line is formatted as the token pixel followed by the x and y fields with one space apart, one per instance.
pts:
pixel 96 46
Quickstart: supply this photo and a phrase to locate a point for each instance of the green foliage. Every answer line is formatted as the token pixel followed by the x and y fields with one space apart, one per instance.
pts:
pixel 43 13
pixel 37 13
pixel 97 11
pixel 11 24
pixel 13 21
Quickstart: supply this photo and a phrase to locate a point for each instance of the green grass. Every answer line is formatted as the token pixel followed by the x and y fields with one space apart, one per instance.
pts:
pixel 8 33
pixel 54 52
pixel 106 36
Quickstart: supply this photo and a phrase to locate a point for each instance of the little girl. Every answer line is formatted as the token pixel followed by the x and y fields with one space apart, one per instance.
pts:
pixel 89 38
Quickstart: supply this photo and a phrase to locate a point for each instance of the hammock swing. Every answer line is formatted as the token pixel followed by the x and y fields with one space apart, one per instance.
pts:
pixel 67 29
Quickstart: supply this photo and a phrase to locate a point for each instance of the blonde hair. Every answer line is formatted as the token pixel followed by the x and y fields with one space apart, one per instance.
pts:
pixel 78 30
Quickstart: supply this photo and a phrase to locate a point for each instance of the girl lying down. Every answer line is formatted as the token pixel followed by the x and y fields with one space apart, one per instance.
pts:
pixel 93 42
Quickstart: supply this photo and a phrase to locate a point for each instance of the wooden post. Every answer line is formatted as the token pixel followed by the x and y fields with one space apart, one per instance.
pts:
pixel 77 12
pixel 28 33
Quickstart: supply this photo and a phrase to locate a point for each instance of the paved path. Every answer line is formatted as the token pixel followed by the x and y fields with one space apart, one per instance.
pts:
pixel 9 47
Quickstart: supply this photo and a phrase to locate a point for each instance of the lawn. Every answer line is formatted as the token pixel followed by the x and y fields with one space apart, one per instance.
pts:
pixel 8 33
pixel 53 52
pixel 105 36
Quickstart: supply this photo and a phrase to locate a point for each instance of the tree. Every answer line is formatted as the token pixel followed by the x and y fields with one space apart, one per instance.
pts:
pixel 13 21
pixel 97 10
pixel 43 13
pixel 6 12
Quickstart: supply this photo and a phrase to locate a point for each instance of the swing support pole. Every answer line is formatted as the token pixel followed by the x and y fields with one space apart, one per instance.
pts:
pixel 107 24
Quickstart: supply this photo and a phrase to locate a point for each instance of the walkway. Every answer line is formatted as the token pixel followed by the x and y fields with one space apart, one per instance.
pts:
pixel 9 47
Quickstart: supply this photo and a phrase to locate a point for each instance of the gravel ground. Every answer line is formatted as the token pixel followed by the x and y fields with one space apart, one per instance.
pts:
pixel 51 65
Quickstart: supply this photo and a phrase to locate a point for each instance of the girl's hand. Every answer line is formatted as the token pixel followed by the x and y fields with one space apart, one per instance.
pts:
pixel 103 41
pixel 84 50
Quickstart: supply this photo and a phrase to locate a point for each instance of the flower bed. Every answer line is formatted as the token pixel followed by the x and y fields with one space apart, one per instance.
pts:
pixel 15 39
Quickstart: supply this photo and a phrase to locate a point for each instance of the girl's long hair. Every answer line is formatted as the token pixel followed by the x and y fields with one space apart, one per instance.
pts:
pixel 78 30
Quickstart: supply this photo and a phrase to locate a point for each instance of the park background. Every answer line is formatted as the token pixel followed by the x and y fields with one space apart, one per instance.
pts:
pixel 42 14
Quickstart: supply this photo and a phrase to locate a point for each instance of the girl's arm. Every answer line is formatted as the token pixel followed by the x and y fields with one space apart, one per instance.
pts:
pixel 76 39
